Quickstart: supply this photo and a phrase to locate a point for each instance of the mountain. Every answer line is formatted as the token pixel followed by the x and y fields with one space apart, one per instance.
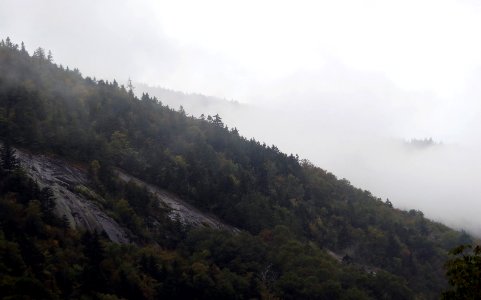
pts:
pixel 249 119
pixel 258 223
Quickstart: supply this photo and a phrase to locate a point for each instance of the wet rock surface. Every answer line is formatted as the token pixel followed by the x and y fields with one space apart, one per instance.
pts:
pixel 79 204
pixel 180 210
pixel 66 181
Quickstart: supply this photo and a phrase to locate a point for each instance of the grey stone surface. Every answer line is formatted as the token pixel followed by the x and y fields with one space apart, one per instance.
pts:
pixel 65 180
pixel 179 209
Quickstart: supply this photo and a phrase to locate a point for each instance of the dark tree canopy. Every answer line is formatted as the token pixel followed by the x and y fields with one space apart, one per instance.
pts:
pixel 464 273
pixel 297 221
pixel 8 160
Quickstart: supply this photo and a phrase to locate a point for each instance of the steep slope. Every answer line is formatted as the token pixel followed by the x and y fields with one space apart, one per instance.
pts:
pixel 282 202
pixel 179 210
pixel 81 206
pixel 67 182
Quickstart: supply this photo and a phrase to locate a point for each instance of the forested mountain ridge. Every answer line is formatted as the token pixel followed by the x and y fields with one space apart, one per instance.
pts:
pixel 289 210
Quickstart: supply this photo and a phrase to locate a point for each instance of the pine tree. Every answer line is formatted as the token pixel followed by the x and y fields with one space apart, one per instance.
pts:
pixel 23 49
pixel 8 42
pixel 8 161
pixel 130 88
pixel 39 53
pixel 47 200
pixel 218 121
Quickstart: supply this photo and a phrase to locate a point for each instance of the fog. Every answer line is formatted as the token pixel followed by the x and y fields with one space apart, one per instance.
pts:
pixel 362 143
pixel 344 85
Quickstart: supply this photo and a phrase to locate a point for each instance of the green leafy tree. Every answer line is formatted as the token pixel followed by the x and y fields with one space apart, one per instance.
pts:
pixel 464 273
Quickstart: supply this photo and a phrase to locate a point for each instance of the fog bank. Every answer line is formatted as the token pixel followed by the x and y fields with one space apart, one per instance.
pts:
pixel 366 147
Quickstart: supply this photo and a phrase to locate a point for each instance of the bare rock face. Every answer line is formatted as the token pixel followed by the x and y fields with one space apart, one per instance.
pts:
pixel 81 206
pixel 69 185
pixel 179 210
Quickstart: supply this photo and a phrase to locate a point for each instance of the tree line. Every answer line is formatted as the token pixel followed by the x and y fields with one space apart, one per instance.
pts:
pixel 45 107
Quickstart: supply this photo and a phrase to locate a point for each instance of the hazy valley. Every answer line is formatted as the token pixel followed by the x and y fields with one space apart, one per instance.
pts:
pixel 99 167
pixel 240 150
pixel 432 177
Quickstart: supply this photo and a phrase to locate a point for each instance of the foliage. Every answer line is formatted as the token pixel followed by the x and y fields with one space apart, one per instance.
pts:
pixel 464 273
pixel 290 211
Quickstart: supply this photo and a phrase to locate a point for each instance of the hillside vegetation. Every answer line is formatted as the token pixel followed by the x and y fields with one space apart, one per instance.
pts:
pixel 295 218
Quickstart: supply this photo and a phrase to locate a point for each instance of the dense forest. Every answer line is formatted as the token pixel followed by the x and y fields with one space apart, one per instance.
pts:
pixel 296 219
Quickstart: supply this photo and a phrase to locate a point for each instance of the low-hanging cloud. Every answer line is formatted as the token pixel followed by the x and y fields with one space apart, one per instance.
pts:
pixel 344 88
pixel 360 126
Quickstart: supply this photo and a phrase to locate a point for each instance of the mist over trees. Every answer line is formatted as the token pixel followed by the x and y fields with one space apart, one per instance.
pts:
pixel 355 144
pixel 296 218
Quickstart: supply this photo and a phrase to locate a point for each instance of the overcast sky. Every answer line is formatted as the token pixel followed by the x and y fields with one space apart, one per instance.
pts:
pixel 342 76
pixel 272 51
pixel 227 48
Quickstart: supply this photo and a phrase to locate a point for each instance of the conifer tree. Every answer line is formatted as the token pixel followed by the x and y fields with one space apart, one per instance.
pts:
pixel 8 161
pixel 50 56
pixel 23 49
pixel 218 121
pixel 39 53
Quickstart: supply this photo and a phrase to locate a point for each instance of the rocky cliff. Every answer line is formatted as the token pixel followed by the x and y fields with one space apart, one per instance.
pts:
pixel 77 202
